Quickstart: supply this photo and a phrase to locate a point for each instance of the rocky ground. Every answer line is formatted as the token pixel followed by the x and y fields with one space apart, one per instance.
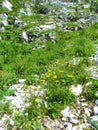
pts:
pixel 83 114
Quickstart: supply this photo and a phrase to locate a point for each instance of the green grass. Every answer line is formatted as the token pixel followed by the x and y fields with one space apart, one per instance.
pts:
pixel 51 67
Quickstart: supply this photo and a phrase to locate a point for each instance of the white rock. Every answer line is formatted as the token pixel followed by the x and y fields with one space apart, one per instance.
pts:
pixel 87 112
pixel 46 27
pixel 95 110
pixel 22 81
pixel 25 36
pixel 86 6
pixel 73 121
pixel 5 23
pixel 76 90
pixel 11 122
pixel 94 118
pixel 96 102
pixel 65 112
pixel 6 4
pixel 69 126
pixel 76 128
pixel 84 104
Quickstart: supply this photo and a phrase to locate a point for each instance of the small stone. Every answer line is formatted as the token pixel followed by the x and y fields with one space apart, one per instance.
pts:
pixel 96 102
pixel 76 128
pixel 95 110
pixel 87 112
pixel 65 112
pixel 63 119
pixel 84 104
pixel 94 121
pixel 24 36
pixel 73 121
pixel 82 100
pixel 6 4
pixel 76 90
pixel 11 122
pixel 69 126
pixel 22 81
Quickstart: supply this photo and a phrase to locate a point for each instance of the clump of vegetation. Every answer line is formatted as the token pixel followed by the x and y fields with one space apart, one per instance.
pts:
pixel 56 67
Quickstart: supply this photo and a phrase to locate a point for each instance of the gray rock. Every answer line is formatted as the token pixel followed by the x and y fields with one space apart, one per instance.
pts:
pixel 95 110
pixel 22 81
pixel 69 126
pixel 7 5
pixel 96 102
pixel 87 112
pixel 74 121
pixel 76 90
pixel 3 21
pixel 24 37
pixel 65 112
pixel 94 121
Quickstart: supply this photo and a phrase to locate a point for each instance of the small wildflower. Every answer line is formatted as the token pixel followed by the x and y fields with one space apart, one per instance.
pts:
pixel 29 86
pixel 61 71
pixel 86 77
pixel 42 80
pixel 49 70
pixel 57 81
pixel 48 75
pixel 16 112
pixel 37 100
pixel 70 76
pixel 55 76
pixel 24 92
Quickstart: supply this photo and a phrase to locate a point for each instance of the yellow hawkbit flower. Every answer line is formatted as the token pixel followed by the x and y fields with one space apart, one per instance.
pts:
pixel 55 76
pixel 24 92
pixel 29 86
pixel 57 81
pixel 42 80
pixel 70 76
pixel 37 100
pixel 86 77
pixel 16 112
pixel 49 70
pixel 61 71
pixel 48 75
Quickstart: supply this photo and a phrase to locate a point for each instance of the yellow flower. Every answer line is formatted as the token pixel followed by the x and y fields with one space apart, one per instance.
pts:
pixel 61 71
pixel 29 86
pixel 55 76
pixel 70 76
pixel 48 75
pixel 16 112
pixel 42 80
pixel 24 92
pixel 57 81
pixel 49 70
pixel 37 100
pixel 86 77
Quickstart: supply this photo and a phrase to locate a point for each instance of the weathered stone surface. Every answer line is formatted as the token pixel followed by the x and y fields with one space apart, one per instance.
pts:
pixel 7 5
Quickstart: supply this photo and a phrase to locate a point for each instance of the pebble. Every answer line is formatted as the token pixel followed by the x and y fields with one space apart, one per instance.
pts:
pixel 65 112
pixel 73 121
pixel 95 110
pixel 6 4
pixel 76 90
pixel 87 112
pixel 22 81
pixel 84 104
pixel 96 102
pixel 69 126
